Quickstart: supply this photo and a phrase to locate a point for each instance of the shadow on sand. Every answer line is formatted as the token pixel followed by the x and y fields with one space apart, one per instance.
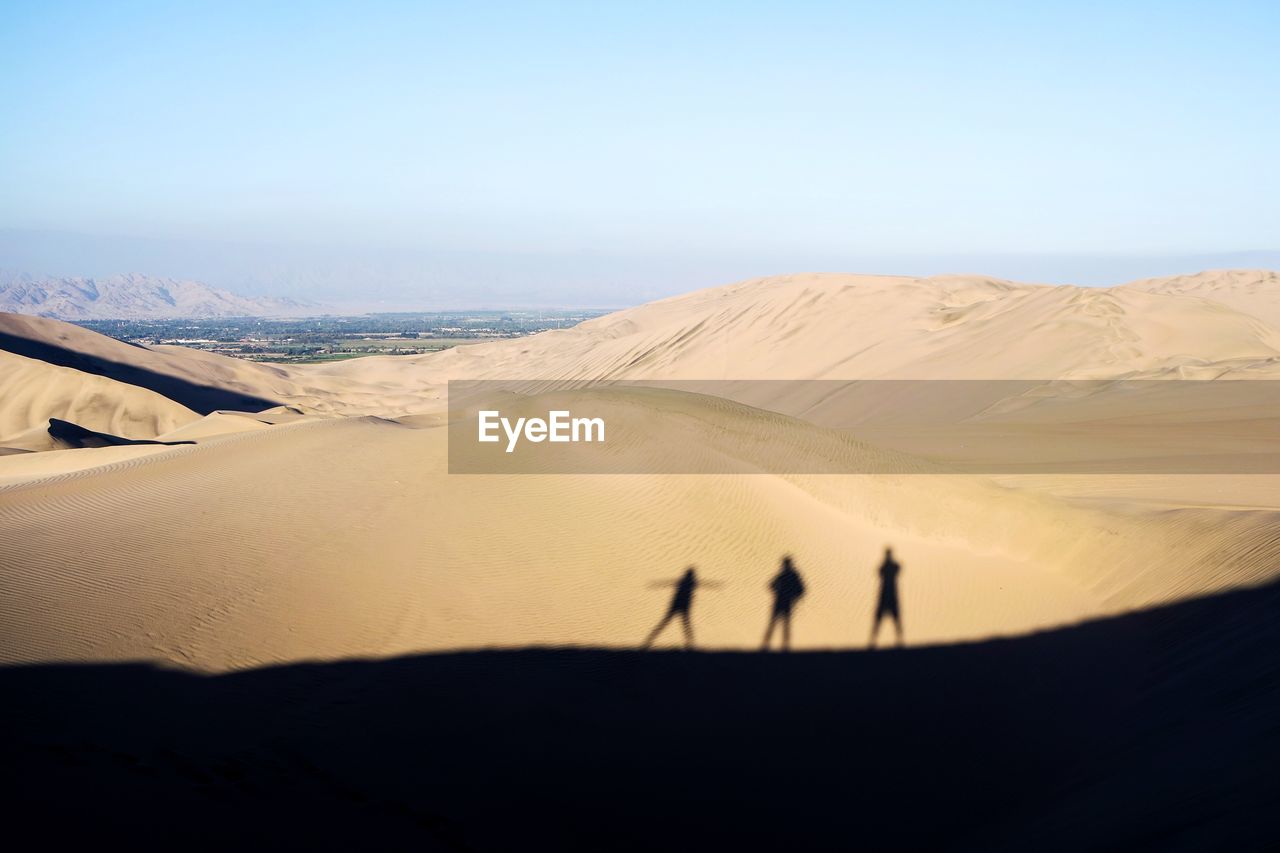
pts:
pixel 202 399
pixel 1155 729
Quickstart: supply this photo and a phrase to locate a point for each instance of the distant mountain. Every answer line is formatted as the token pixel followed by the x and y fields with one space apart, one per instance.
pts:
pixel 134 297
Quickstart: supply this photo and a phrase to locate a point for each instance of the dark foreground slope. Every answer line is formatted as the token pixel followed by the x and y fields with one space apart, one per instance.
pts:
pixel 1159 729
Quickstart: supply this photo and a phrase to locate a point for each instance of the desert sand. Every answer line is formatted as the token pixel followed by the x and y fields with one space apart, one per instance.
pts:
pixel 313 518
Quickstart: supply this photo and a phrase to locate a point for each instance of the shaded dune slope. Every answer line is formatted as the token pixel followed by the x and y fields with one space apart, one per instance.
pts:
pixel 1153 730
pixel 73 436
pixel 32 392
pixel 203 382
pixel 202 399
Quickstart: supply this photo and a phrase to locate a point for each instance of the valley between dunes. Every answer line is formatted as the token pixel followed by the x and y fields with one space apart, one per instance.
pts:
pixel 313 515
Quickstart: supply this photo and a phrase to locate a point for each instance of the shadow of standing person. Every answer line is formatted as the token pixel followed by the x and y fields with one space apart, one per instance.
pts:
pixel 681 605
pixel 888 603
pixel 787 589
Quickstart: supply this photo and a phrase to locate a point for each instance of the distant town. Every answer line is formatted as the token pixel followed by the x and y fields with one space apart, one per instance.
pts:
pixel 322 339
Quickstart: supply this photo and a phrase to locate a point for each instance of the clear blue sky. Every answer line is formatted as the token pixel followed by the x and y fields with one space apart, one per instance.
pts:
pixel 791 130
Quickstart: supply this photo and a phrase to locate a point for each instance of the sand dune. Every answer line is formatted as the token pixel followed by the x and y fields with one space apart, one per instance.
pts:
pixel 55 463
pixel 828 326
pixel 810 326
pixel 345 537
pixel 325 525
pixel 215 424
pixel 35 391
pixel 1252 292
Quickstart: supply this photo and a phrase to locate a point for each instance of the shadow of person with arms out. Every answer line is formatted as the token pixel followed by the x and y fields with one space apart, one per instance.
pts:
pixel 888 603
pixel 787 589
pixel 681 605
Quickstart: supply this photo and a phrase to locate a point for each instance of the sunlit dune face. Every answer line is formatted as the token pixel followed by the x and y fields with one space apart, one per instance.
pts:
pixel 329 525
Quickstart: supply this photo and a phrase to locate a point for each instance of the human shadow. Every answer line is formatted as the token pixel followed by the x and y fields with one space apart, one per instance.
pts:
pixel 787 587
pixel 681 605
pixel 888 603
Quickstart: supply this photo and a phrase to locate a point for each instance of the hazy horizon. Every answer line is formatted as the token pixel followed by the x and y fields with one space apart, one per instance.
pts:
pixel 575 154
pixel 405 279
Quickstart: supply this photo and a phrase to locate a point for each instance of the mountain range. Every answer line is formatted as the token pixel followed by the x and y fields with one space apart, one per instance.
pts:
pixel 134 297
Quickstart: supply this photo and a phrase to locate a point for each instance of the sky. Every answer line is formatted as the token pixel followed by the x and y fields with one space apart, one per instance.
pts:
pixel 599 153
